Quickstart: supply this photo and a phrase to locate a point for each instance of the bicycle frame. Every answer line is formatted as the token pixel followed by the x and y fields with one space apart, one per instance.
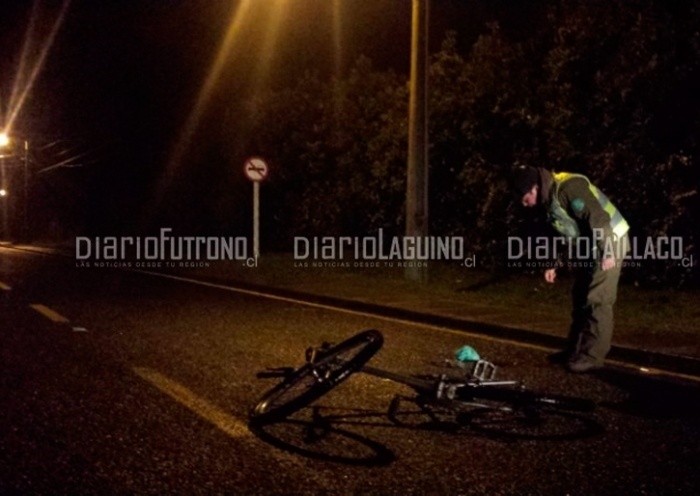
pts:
pixel 477 388
pixel 455 394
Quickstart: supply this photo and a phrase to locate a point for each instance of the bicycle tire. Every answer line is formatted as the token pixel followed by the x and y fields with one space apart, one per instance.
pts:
pixel 524 399
pixel 313 380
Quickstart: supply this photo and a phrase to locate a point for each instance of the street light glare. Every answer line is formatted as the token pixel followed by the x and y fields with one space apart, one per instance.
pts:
pixel 25 79
pixel 3 192
pixel 4 140
pixel 239 16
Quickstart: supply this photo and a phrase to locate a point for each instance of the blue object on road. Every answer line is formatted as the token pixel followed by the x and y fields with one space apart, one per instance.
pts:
pixel 467 354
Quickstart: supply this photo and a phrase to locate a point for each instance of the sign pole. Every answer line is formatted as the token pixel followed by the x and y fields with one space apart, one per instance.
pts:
pixel 256 219
pixel 255 169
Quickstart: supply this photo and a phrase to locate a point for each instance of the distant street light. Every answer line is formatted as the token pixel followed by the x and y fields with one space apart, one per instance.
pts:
pixel 3 192
pixel 5 142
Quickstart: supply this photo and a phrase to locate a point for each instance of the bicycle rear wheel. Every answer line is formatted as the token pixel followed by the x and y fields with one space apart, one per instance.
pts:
pixel 316 378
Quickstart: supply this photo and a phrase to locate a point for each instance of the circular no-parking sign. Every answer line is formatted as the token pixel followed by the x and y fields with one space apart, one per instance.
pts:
pixel 255 169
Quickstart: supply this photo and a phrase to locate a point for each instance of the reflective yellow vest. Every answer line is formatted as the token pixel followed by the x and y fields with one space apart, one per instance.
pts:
pixel 562 221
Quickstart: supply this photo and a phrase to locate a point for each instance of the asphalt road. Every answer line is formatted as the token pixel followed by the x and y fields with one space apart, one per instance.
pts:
pixel 121 382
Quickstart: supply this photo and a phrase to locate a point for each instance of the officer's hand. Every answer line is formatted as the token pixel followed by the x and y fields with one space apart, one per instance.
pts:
pixel 550 275
pixel 607 263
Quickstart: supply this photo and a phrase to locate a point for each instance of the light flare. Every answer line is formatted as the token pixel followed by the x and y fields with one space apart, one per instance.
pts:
pixel 243 16
pixel 22 88
pixel 277 12
pixel 190 127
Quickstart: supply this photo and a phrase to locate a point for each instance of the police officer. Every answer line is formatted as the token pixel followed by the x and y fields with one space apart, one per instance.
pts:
pixel 576 208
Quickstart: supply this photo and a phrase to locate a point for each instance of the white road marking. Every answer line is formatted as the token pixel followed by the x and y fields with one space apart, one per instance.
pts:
pixel 208 411
pixel 50 314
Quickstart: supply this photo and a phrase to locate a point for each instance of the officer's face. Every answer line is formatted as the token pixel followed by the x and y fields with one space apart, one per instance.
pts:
pixel 530 198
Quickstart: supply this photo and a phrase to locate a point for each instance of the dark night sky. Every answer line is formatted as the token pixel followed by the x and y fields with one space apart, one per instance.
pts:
pixel 122 78
pixel 123 69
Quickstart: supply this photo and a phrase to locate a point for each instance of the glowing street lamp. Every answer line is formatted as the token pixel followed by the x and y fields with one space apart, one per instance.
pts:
pixel 4 141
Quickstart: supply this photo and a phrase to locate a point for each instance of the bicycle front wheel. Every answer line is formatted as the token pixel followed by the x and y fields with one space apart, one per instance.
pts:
pixel 313 380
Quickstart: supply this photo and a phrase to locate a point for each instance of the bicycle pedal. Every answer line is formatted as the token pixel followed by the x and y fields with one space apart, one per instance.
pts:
pixel 484 371
pixel 314 354
pixel 310 355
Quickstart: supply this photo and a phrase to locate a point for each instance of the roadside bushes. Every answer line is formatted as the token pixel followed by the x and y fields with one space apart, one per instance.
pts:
pixel 607 89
